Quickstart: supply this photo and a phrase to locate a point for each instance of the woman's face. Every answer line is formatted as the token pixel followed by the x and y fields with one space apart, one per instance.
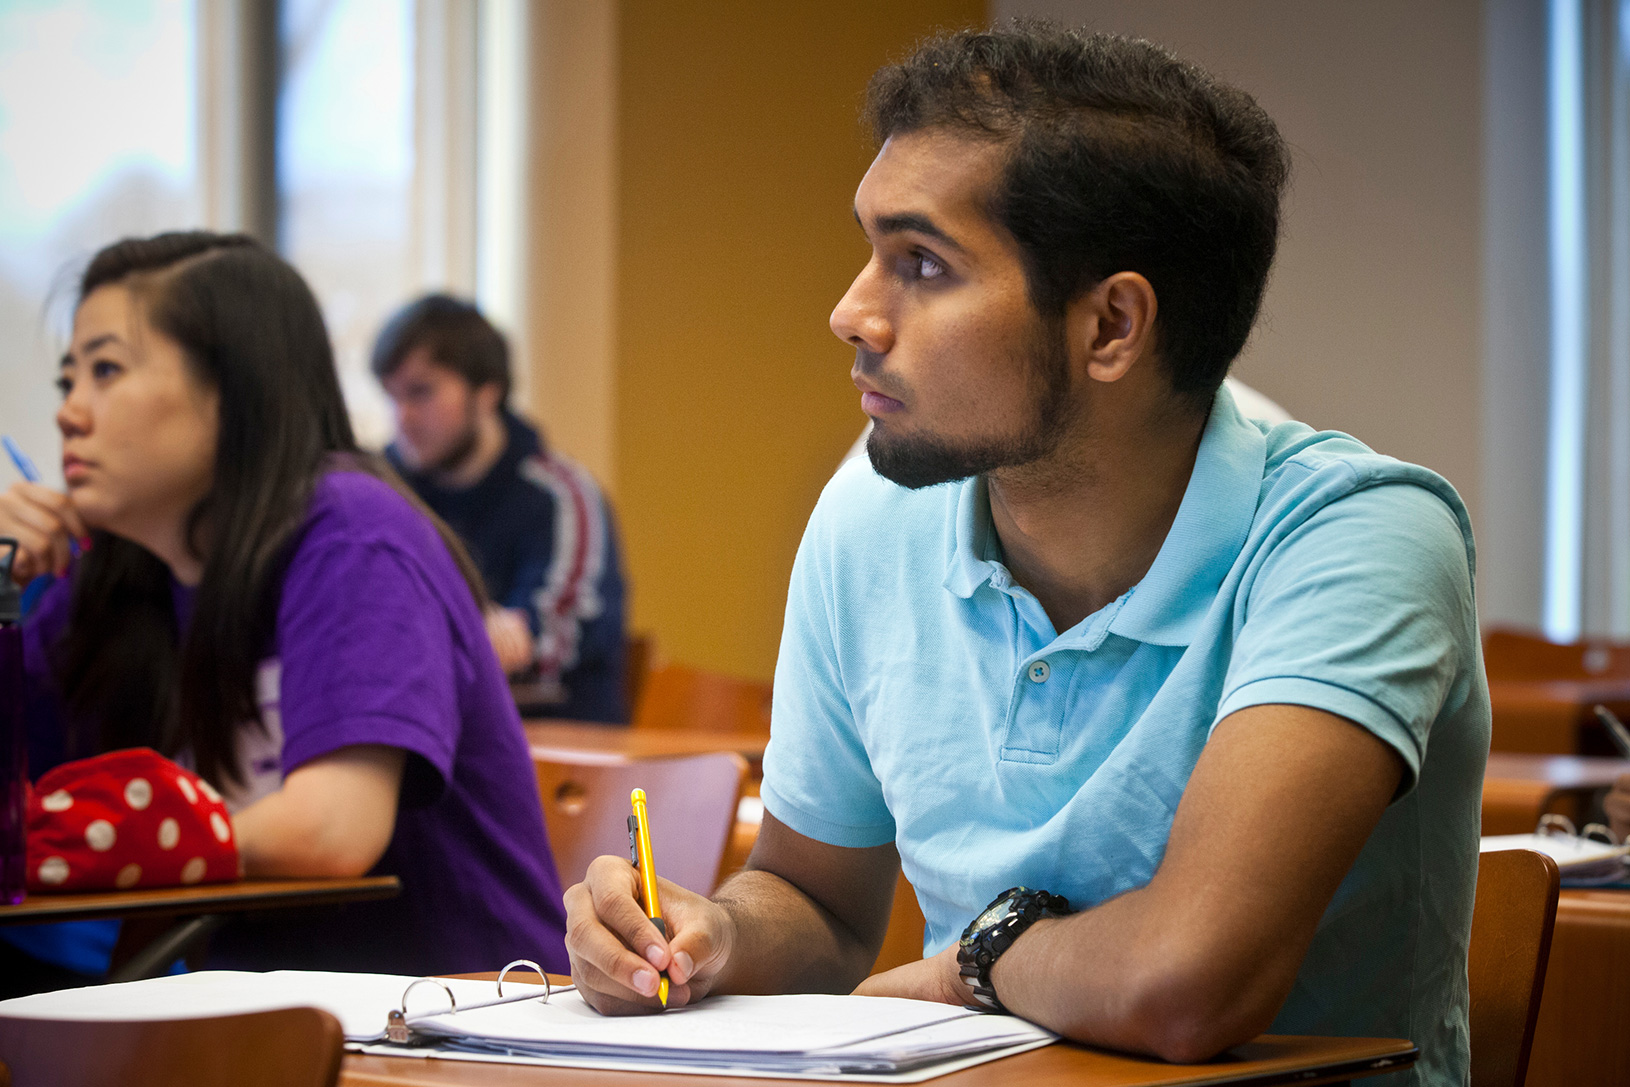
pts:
pixel 138 429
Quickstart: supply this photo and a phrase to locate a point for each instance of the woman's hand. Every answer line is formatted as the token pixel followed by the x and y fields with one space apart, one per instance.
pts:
pixel 42 521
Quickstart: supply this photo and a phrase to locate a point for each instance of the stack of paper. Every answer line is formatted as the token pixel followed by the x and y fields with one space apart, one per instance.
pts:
pixel 1579 859
pixel 361 1002
pixel 809 1036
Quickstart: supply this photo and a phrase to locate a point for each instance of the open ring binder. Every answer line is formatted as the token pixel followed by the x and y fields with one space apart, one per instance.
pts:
pixel 399 1029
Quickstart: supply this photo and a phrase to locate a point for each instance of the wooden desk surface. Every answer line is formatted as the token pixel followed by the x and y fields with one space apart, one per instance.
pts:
pixel 1585 692
pixel 248 894
pixel 1268 1059
pixel 1557 771
pixel 574 739
pixel 1519 788
pixel 1553 716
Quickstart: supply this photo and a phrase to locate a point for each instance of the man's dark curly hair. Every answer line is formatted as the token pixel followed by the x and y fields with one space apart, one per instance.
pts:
pixel 1123 159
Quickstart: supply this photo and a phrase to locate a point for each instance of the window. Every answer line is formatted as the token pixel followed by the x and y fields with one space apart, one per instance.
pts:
pixel 97 140
pixel 345 175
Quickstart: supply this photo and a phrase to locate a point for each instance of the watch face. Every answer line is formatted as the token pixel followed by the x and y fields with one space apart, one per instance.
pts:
pixel 993 913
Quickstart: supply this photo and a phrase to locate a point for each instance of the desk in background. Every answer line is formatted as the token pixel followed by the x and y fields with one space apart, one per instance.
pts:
pixel 1554 716
pixel 185 913
pixel 550 737
pixel 1518 789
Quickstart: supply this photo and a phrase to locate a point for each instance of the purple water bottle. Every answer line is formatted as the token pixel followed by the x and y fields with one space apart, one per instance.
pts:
pixel 13 737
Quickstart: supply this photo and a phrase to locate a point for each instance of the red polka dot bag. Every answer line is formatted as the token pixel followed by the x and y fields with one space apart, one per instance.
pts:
pixel 123 820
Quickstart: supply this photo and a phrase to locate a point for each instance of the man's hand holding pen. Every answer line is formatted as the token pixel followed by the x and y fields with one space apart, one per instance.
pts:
pixel 618 955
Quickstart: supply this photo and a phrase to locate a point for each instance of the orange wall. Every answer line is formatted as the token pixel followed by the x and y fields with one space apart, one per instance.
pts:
pixel 738 153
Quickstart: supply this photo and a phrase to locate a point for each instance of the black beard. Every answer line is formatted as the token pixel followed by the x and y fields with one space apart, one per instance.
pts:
pixel 928 460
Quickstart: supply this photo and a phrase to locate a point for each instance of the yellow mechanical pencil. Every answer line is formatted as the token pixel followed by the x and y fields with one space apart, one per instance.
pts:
pixel 639 850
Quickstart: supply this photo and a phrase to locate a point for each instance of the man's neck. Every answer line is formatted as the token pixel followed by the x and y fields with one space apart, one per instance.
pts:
pixel 1084 525
pixel 491 439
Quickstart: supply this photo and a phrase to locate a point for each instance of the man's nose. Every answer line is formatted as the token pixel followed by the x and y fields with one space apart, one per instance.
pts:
pixel 860 319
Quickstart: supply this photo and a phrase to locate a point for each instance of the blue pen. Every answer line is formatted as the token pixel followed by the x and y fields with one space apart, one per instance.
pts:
pixel 30 473
pixel 20 459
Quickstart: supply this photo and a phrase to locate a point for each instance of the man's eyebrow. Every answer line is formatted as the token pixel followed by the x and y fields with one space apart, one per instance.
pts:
pixel 88 346
pixel 913 223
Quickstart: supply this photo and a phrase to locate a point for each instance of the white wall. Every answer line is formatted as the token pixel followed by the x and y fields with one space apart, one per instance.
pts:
pixel 1374 319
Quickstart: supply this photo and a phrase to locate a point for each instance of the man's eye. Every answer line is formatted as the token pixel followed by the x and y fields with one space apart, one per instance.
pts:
pixel 103 369
pixel 928 267
pixel 65 385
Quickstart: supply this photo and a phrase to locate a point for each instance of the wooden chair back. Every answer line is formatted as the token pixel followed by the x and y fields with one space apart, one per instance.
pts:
pixel 903 939
pixel 1512 919
pixel 692 803
pixel 680 697
pixel 1519 655
pixel 639 652
pixel 292 1047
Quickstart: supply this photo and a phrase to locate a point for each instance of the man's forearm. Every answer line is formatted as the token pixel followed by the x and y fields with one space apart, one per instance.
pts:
pixel 785 942
pixel 1131 974
pixel 1204 955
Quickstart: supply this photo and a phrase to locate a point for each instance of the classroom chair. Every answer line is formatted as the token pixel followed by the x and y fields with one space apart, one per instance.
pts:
pixel 692 803
pixel 903 940
pixel 639 653
pixel 1512 919
pixel 1543 692
pixel 292 1047
pixel 680 697
pixel 1511 654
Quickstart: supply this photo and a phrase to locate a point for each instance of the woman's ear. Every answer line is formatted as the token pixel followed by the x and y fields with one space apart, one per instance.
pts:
pixel 1111 327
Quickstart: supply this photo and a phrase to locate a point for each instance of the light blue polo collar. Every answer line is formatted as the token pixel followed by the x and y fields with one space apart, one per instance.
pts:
pixel 1211 526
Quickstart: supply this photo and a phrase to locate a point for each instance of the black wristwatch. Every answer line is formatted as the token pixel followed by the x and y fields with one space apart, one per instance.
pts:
pixel 994 931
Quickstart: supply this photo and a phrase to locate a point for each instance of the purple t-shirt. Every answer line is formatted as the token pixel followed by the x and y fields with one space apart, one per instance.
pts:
pixel 378 641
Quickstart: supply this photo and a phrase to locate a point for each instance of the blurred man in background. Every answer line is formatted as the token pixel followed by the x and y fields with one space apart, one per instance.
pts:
pixel 535 522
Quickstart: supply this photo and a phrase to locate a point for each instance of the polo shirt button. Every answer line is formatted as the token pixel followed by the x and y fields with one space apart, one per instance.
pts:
pixel 1039 672
pixel 998 580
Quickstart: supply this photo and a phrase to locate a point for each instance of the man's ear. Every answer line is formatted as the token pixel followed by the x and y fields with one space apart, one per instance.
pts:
pixel 1112 326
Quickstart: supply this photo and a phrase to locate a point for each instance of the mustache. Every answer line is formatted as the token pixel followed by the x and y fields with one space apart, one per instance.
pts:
pixel 869 364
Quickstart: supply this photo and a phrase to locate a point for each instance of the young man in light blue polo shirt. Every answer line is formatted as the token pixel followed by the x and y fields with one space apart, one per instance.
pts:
pixel 1207 692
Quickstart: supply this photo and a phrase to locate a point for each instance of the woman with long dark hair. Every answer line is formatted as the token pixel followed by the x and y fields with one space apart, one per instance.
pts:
pixel 260 599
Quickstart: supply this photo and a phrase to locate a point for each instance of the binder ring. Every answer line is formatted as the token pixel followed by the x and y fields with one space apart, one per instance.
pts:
pixel 536 969
pixel 452 1002
pixel 1596 832
pixel 1556 825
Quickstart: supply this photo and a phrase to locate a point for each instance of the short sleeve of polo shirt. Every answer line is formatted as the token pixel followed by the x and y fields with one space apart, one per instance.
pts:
pixel 818 779
pixel 1363 610
pixel 367 658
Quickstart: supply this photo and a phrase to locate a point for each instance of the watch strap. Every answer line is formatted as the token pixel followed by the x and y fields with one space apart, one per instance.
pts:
pixel 979 949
